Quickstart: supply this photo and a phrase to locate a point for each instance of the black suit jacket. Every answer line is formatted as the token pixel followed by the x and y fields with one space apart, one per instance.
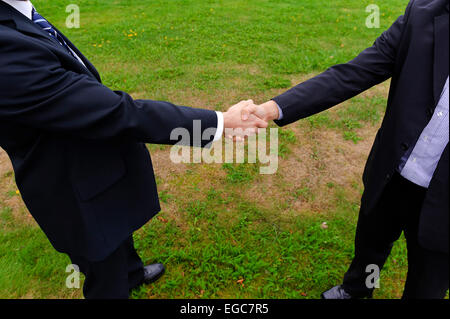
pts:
pixel 414 53
pixel 76 146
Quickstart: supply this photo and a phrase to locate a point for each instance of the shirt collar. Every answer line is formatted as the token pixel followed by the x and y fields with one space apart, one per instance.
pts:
pixel 24 7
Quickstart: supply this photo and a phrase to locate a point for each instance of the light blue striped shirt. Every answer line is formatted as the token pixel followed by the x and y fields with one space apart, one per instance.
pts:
pixel 422 162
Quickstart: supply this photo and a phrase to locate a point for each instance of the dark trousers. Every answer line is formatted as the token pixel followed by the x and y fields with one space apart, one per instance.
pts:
pixel 398 210
pixel 114 277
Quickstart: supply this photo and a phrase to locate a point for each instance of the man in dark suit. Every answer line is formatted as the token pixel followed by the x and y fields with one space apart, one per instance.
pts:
pixel 77 149
pixel 407 173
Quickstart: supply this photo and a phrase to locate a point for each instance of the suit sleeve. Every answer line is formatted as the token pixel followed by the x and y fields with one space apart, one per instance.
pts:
pixel 344 81
pixel 36 91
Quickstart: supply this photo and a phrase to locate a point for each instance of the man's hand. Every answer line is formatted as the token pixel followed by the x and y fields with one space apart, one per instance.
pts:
pixel 233 119
pixel 267 111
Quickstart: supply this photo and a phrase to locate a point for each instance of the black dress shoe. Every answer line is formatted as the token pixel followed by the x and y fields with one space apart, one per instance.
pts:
pixel 152 273
pixel 337 292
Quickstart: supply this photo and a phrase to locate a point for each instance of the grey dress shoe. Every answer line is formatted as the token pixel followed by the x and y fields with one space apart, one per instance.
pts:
pixel 153 272
pixel 336 292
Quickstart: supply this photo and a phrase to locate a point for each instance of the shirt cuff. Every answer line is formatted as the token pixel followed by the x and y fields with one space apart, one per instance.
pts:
pixel 220 127
pixel 280 112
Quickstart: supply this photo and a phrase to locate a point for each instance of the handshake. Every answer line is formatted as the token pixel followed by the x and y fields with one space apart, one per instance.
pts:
pixel 244 118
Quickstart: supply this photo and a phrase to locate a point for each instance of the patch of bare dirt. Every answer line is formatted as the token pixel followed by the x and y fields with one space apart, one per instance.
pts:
pixel 320 162
pixel 5 163
pixel 9 195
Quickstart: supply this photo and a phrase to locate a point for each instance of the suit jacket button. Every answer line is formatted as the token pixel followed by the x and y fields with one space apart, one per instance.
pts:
pixel 405 146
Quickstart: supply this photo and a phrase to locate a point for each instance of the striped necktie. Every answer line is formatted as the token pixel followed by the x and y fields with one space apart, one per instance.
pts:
pixel 46 26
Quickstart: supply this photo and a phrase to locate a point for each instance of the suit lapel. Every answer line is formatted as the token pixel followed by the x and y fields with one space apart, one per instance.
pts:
pixel 86 62
pixel 441 54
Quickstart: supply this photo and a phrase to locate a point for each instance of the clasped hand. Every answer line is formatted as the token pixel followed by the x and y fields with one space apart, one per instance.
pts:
pixel 244 118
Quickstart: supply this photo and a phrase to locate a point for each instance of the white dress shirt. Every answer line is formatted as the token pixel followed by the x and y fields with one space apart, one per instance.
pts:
pixel 26 8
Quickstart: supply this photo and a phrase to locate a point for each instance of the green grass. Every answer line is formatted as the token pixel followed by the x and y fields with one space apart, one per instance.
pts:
pixel 217 237
pixel 359 112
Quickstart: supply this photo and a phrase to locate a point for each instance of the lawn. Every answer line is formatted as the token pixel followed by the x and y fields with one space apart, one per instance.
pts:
pixel 225 231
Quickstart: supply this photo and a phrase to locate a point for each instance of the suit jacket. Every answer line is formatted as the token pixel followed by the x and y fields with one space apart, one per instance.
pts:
pixel 76 146
pixel 414 53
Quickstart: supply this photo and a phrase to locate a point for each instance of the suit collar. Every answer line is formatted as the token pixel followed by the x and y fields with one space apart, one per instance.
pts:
pixel 24 7
pixel 5 12
pixel 26 26
pixel 23 24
